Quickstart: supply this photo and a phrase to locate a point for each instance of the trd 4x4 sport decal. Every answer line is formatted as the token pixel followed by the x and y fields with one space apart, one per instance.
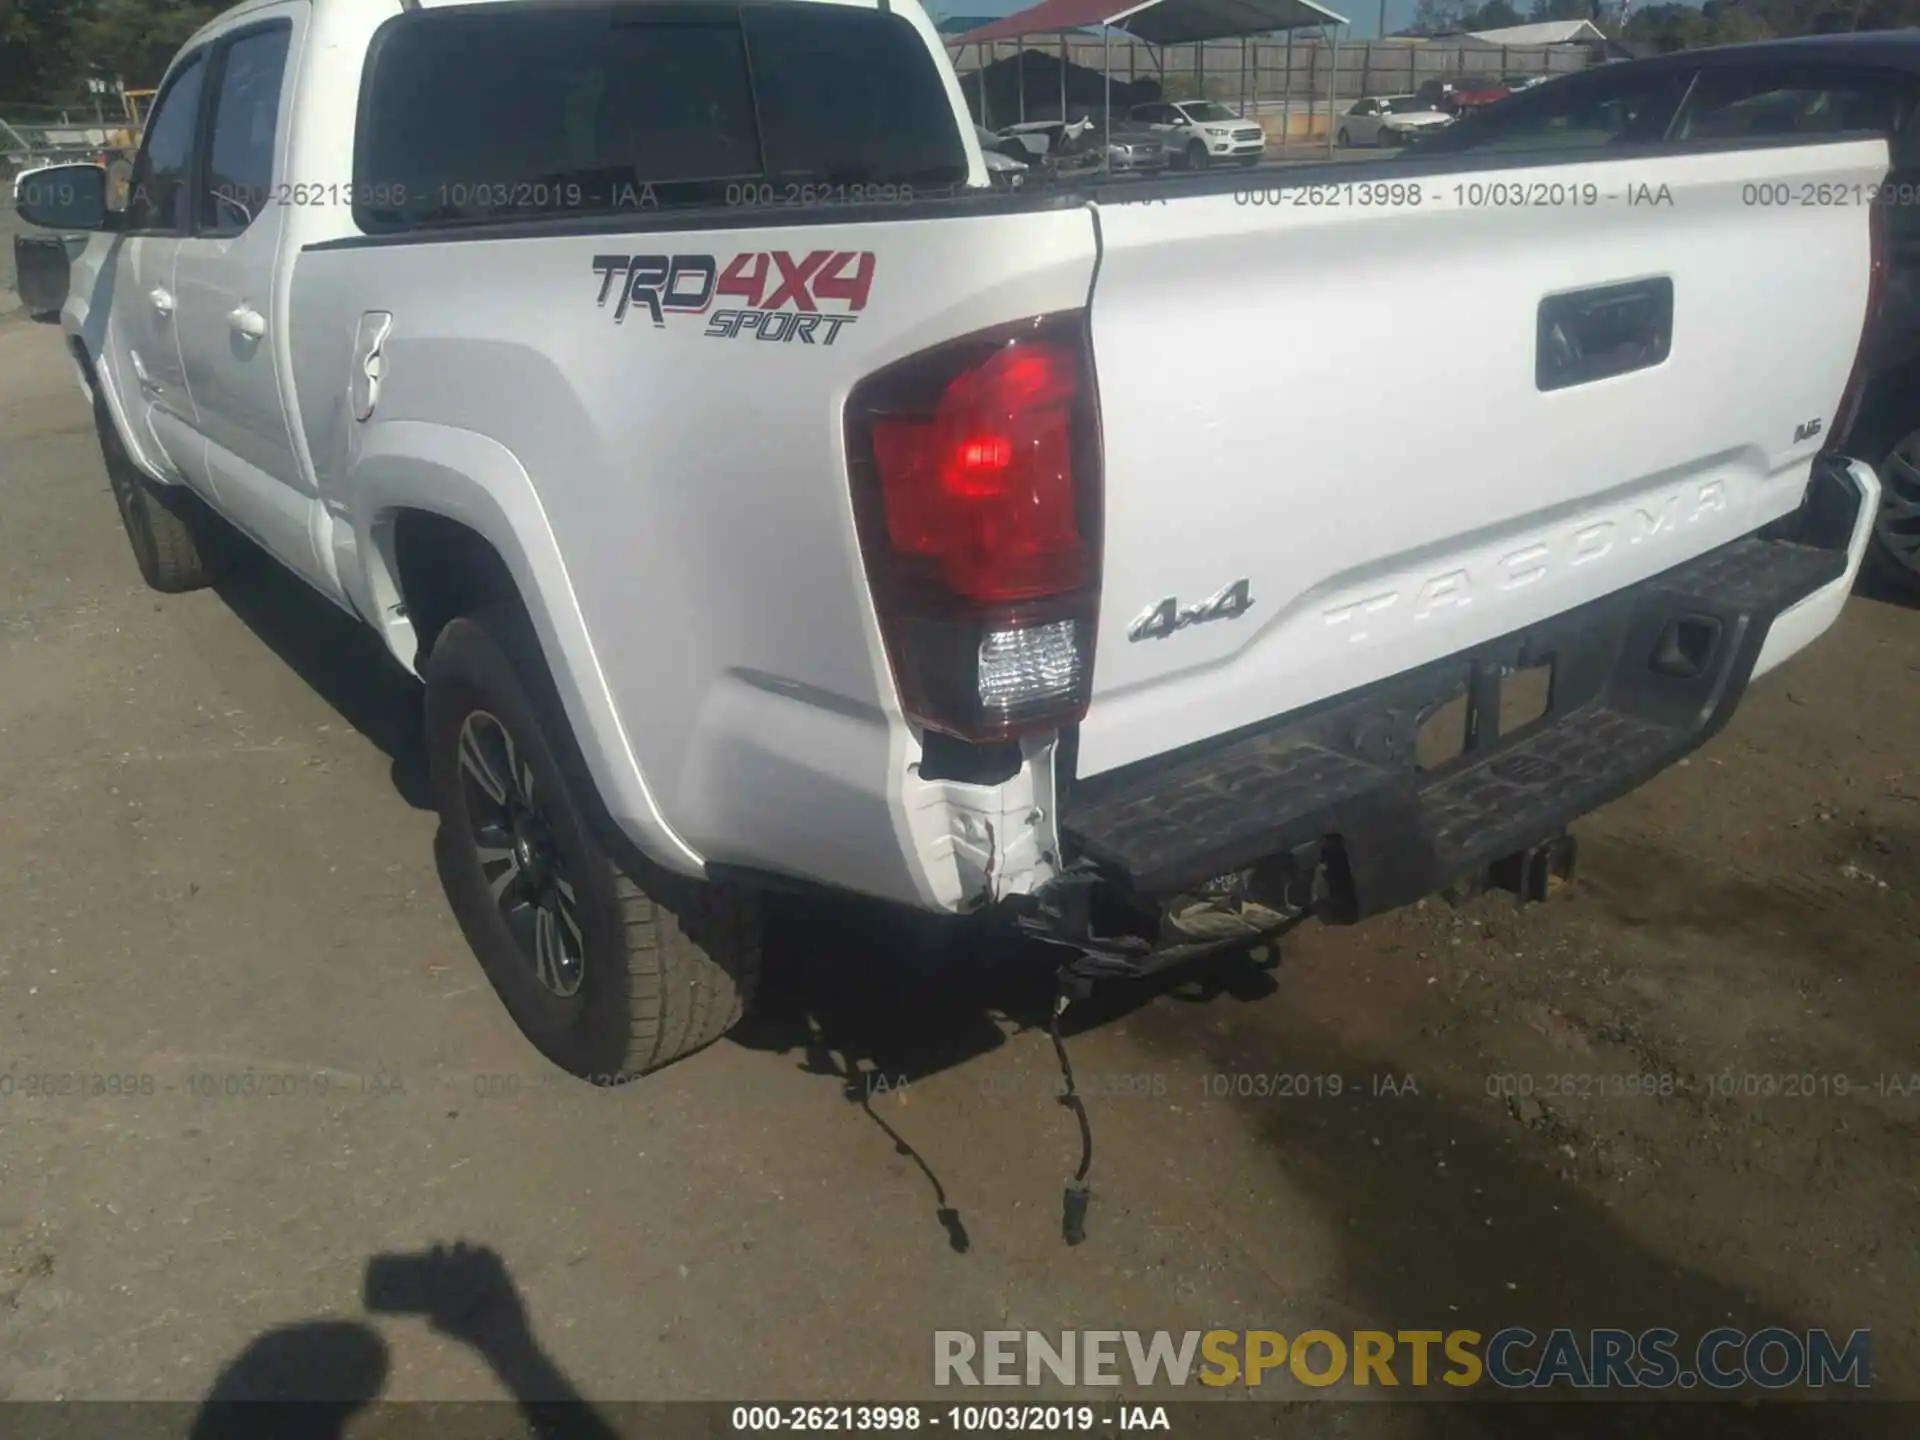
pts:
pixel 781 298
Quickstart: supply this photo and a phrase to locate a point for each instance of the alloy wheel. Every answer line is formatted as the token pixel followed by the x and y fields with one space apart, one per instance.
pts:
pixel 525 873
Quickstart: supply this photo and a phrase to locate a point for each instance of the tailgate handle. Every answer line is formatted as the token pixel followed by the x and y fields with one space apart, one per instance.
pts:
pixel 1588 335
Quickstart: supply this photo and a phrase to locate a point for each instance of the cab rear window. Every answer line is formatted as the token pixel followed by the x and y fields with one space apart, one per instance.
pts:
pixel 486 113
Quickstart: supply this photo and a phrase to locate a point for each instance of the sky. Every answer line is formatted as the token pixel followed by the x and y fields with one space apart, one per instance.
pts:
pixel 1364 14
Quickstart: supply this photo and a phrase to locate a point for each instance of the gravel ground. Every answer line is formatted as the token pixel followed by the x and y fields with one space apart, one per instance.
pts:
pixel 215 864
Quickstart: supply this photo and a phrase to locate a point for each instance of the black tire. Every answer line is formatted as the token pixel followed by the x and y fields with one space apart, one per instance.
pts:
pixel 1197 157
pixel 1343 140
pixel 169 530
pixel 1893 555
pixel 665 966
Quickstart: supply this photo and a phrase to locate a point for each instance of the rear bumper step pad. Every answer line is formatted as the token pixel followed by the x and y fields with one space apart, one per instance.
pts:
pixel 1639 678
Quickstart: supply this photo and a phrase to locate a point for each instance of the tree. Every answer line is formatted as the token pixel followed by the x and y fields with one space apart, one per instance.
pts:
pixel 1437 17
pixel 1730 22
pixel 134 39
pixel 37 61
pixel 1669 27
pixel 1545 10
pixel 50 48
pixel 1494 15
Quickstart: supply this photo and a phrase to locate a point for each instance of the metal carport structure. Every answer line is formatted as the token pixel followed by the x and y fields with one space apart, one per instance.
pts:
pixel 1160 23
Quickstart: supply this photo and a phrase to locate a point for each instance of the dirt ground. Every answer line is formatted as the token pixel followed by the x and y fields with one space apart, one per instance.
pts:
pixel 215 864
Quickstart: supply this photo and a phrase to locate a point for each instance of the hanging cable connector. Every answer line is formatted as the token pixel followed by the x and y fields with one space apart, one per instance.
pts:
pixel 1073 1213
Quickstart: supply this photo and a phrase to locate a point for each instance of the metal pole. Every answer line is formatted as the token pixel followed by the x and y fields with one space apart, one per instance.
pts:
pixel 1106 69
pixel 1286 100
pixel 1020 59
pixel 1243 77
pixel 1063 77
pixel 1333 70
pixel 981 72
pixel 1383 19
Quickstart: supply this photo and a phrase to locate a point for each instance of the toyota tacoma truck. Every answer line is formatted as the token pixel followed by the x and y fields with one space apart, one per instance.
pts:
pixel 765 500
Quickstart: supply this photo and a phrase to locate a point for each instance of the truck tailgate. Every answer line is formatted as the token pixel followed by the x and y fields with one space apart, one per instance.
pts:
pixel 1325 407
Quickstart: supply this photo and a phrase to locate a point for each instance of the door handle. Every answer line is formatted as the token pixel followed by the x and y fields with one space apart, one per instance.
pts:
pixel 371 366
pixel 1590 335
pixel 162 299
pixel 148 385
pixel 247 321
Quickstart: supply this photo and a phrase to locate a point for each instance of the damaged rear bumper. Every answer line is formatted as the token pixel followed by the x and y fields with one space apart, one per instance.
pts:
pixel 1637 680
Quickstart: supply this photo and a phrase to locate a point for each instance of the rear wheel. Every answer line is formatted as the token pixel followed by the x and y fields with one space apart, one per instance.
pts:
pixel 609 974
pixel 1344 140
pixel 1197 156
pixel 170 531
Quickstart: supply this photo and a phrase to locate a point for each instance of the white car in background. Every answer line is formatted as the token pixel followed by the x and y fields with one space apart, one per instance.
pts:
pixel 1390 120
pixel 1199 132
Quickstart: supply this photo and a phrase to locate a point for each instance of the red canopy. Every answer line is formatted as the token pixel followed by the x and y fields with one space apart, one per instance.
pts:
pixel 1158 22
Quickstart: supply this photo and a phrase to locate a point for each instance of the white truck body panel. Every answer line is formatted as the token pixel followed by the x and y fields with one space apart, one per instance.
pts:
pixel 1381 525
pixel 675 509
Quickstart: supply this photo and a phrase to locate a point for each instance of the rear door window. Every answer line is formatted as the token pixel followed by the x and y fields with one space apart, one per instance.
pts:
pixel 1625 109
pixel 520 112
pixel 1755 103
pixel 246 112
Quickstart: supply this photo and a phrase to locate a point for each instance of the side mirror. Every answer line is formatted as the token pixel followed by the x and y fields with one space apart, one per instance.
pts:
pixel 63 197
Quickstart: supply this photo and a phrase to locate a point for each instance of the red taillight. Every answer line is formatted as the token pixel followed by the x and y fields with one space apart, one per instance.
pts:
pixel 1849 408
pixel 983 488
pixel 976 475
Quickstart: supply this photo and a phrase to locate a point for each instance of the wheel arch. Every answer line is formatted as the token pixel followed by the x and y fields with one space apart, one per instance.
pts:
pixel 448 519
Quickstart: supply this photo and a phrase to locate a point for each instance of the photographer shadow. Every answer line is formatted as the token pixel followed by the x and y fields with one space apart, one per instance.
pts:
pixel 310 1380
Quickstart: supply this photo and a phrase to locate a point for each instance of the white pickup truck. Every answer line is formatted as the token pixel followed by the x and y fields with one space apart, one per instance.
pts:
pixel 763 499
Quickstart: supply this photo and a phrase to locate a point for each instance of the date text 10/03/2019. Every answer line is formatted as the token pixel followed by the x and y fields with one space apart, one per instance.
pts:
pixel 1466 195
pixel 960 1419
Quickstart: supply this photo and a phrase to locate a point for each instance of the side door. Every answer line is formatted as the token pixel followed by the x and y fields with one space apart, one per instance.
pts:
pixel 142 341
pixel 1607 107
pixel 231 309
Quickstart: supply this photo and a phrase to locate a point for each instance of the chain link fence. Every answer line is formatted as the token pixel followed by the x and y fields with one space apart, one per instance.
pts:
pixel 33 135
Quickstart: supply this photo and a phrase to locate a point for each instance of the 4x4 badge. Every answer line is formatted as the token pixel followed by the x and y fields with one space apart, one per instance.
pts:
pixel 1162 619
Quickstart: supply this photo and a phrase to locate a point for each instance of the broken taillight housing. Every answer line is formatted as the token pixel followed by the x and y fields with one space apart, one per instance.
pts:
pixel 976 481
